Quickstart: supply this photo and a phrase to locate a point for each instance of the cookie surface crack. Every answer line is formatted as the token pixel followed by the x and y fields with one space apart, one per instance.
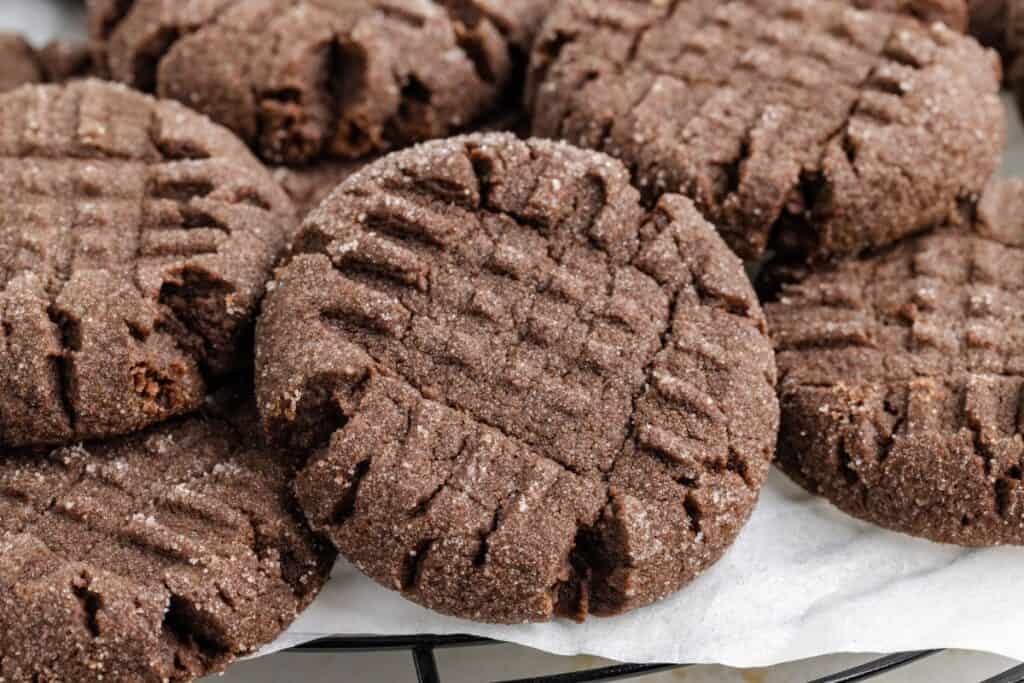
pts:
pixel 91 604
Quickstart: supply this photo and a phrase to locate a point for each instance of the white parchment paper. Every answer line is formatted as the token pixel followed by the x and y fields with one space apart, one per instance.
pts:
pixel 802 580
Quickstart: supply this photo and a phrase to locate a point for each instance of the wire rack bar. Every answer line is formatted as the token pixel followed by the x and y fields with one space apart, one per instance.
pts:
pixel 619 672
pixel 426 665
pixel 356 644
pixel 877 667
pixel 423 648
pixel 1014 675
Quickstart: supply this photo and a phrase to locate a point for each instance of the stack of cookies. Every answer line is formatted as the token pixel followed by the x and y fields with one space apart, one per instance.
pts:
pixel 456 289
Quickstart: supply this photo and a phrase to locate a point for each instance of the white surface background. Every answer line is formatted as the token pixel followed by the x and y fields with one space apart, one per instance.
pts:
pixel 803 579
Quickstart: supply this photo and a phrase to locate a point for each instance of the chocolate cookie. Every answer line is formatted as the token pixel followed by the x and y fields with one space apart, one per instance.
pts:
pixel 902 378
pixel 136 238
pixel 810 127
pixel 302 79
pixel 158 557
pixel 57 62
pixel 537 398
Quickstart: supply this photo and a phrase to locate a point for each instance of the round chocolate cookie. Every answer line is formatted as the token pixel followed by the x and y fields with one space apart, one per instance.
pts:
pixel 532 397
pixel 902 379
pixel 302 79
pixel 807 126
pixel 136 238
pixel 158 557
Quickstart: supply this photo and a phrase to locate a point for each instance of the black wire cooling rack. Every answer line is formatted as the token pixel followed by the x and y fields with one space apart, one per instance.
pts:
pixel 422 649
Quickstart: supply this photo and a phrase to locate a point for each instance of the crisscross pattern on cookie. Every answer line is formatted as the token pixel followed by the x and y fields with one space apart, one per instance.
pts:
pixel 541 364
pixel 135 240
pixel 902 377
pixel 806 125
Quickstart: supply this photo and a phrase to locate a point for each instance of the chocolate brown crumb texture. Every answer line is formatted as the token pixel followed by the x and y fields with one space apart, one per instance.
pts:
pixel 530 397
pixel 303 79
pixel 809 127
pixel 136 238
pixel 57 62
pixel 162 556
pixel 902 380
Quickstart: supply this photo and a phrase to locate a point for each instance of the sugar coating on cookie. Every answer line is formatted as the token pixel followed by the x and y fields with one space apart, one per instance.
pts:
pixel 302 79
pixel 902 379
pixel 805 126
pixel 136 238
pixel 530 397
pixel 163 556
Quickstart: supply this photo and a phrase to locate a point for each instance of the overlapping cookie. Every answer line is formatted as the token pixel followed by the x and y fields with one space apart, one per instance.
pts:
pixel 808 127
pixel 303 79
pixel 163 556
pixel 136 238
pixel 902 379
